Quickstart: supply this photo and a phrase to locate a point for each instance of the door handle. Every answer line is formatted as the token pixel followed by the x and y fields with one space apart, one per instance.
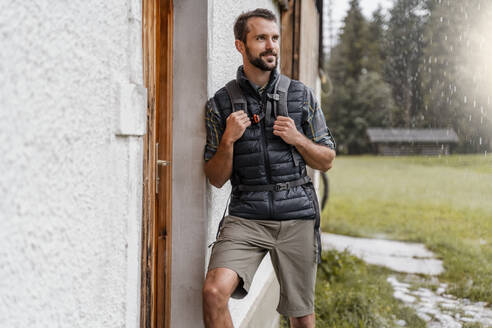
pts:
pixel 159 162
pixel 163 163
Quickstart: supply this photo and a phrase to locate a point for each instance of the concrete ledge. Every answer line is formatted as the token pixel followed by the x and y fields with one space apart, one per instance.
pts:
pixel 263 313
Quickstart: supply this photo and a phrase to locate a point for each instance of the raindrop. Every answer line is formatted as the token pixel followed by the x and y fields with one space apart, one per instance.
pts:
pixel 465 100
pixel 441 19
pixel 469 118
pixel 480 141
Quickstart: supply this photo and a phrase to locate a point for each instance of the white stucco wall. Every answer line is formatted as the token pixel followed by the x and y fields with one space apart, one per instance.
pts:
pixel 71 123
pixel 189 210
pixel 223 60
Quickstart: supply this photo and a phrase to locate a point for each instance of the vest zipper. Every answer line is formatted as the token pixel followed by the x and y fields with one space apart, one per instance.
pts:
pixel 267 162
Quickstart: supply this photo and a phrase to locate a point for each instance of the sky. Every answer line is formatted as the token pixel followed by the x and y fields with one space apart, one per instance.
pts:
pixel 340 7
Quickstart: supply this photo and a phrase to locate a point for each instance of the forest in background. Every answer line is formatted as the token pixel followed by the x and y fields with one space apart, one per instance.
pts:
pixel 426 64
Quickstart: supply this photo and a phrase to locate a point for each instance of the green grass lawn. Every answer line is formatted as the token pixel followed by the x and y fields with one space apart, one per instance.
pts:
pixel 443 202
pixel 352 294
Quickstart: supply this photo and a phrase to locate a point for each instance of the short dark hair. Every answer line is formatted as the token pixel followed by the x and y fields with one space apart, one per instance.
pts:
pixel 241 24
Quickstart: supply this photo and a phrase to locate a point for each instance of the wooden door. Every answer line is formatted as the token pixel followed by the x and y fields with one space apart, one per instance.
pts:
pixel 157 187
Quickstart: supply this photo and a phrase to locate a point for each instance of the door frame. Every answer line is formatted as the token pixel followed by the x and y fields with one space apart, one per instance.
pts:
pixel 157 36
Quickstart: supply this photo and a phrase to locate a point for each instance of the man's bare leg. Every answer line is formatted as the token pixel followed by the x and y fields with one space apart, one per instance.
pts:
pixel 217 289
pixel 303 322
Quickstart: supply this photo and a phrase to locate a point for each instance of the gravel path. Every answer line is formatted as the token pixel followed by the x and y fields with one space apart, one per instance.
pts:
pixel 395 255
pixel 438 309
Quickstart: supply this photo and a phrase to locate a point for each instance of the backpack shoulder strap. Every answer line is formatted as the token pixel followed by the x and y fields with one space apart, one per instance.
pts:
pixel 282 88
pixel 236 95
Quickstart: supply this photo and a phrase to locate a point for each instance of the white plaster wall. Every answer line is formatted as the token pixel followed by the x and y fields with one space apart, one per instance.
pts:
pixel 72 113
pixel 223 60
pixel 189 211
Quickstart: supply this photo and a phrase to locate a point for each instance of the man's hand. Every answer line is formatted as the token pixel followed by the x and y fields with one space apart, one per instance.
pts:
pixel 219 168
pixel 319 157
pixel 285 128
pixel 236 124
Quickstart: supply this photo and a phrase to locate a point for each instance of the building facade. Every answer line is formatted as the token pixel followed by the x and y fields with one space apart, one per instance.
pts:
pixel 105 214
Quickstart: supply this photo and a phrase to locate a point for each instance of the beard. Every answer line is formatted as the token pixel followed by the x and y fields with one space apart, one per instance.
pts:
pixel 260 63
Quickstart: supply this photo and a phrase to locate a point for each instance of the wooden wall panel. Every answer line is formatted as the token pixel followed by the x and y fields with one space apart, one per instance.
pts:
pixel 300 35
pixel 165 151
pixel 157 19
pixel 289 43
pixel 309 43
pixel 147 313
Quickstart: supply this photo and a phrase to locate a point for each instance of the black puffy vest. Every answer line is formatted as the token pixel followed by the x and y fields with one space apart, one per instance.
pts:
pixel 261 158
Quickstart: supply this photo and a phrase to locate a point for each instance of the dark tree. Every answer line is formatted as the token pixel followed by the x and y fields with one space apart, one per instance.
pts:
pixel 360 98
pixel 404 50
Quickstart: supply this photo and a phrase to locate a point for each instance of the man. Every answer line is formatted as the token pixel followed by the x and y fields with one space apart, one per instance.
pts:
pixel 273 205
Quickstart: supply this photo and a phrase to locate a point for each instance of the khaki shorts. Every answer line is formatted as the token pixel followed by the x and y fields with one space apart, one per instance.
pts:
pixel 242 244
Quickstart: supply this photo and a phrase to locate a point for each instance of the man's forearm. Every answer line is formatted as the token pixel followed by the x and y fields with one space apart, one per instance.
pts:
pixel 318 157
pixel 219 168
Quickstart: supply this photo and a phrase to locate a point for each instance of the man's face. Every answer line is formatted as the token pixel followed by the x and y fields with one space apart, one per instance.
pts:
pixel 262 43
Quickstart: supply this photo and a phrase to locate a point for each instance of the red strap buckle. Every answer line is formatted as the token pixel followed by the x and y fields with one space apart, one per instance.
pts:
pixel 256 118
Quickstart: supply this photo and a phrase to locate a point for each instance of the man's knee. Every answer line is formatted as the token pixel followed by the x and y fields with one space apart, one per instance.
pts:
pixel 213 295
pixel 218 286
pixel 304 321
